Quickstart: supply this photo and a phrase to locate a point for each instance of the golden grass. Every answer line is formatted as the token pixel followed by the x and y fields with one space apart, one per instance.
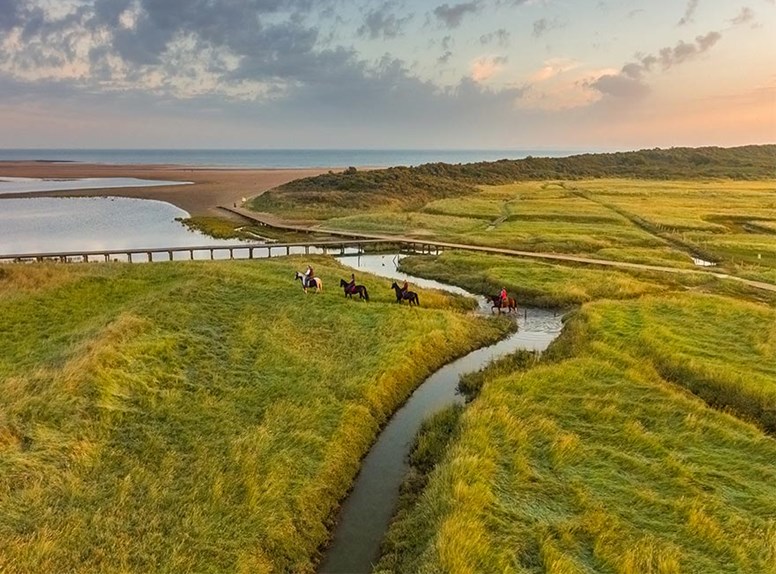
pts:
pixel 598 459
pixel 197 416
pixel 583 466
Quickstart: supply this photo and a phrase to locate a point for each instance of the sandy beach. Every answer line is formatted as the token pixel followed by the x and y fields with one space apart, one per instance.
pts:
pixel 211 186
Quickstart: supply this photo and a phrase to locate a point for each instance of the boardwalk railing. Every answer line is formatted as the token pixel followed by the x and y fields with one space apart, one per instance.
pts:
pixel 235 251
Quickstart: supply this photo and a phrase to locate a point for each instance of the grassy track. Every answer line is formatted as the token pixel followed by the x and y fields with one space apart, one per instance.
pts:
pixel 195 416
pixel 594 462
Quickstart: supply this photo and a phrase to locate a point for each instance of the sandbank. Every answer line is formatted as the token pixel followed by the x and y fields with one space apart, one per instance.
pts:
pixel 211 186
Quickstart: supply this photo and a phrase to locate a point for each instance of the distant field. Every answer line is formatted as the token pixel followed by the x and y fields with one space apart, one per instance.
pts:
pixel 662 207
pixel 196 417
pixel 654 221
pixel 662 223
pixel 598 460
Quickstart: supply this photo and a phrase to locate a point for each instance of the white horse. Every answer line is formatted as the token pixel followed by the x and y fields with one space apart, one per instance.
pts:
pixel 313 281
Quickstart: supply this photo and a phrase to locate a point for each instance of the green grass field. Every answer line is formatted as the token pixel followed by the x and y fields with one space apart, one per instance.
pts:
pixel 599 460
pixel 533 282
pixel 659 222
pixel 197 416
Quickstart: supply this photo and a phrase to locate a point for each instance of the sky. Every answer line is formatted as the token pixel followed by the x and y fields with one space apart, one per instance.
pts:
pixel 478 74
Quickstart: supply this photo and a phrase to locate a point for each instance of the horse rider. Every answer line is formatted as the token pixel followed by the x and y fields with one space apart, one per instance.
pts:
pixel 405 288
pixel 308 281
pixel 352 285
pixel 503 296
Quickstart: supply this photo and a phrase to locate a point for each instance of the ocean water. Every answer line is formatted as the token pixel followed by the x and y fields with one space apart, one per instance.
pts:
pixel 273 158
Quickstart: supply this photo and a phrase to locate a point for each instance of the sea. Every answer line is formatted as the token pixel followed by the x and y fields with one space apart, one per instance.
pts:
pixel 277 158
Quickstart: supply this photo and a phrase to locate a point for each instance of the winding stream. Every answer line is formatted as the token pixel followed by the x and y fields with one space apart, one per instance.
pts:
pixel 366 513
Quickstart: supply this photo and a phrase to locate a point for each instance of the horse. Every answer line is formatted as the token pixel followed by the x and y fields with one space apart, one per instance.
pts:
pixel 315 281
pixel 360 289
pixel 497 303
pixel 409 296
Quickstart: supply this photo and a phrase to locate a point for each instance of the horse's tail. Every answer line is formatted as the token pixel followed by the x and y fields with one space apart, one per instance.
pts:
pixel 366 294
pixel 417 300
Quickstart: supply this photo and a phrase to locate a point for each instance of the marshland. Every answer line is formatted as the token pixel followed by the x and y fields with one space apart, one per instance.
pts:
pixel 210 416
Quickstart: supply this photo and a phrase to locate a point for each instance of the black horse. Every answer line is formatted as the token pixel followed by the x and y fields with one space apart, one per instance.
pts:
pixel 409 296
pixel 360 289
pixel 496 303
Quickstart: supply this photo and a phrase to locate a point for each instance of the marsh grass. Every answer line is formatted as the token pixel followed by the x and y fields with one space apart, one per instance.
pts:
pixel 218 227
pixel 627 448
pixel 196 416
pixel 592 461
pixel 721 349
pixel 662 222
pixel 529 281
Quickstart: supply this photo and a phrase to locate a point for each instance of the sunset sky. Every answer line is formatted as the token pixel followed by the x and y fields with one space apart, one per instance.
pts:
pixel 506 74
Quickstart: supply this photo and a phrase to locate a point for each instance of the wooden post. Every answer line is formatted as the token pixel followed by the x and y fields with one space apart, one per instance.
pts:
pixel 129 257
pixel 191 252
pixel 288 250
pixel 212 256
pixel 307 250
pixel 170 252
pixel 250 253
pixel 231 253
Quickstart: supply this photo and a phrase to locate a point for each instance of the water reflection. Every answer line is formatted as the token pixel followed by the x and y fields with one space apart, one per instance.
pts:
pixel 40 225
pixel 32 184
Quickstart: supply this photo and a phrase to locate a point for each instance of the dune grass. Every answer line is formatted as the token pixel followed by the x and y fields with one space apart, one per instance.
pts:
pixel 592 461
pixel 218 227
pixel 196 416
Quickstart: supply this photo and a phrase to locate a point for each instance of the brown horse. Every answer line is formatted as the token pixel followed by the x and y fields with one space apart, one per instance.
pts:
pixel 401 295
pixel 360 289
pixel 496 303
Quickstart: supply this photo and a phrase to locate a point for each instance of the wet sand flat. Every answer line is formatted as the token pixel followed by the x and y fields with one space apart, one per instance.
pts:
pixel 211 186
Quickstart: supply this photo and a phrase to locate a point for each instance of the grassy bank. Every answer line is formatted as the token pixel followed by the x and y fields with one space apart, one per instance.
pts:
pixel 719 348
pixel 595 461
pixel 196 416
